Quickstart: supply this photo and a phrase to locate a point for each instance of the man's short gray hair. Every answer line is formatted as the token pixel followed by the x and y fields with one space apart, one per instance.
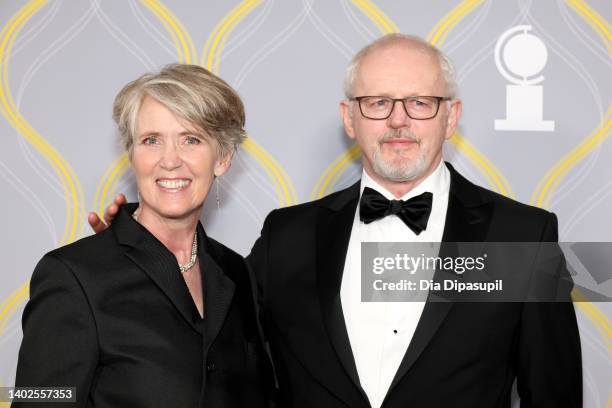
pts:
pixel 446 66
pixel 191 92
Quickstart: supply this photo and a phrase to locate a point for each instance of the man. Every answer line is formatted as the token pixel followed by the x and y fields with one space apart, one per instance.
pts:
pixel 330 349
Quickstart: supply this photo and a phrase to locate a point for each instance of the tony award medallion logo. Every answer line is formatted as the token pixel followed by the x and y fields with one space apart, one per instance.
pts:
pixel 520 57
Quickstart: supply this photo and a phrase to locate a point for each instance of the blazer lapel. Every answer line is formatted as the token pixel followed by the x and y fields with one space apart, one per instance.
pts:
pixel 467 220
pixel 334 226
pixel 155 260
pixel 218 289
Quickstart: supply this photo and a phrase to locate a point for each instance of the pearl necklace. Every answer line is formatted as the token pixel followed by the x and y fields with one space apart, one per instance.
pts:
pixel 194 250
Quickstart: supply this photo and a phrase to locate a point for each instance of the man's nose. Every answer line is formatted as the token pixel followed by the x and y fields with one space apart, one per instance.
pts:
pixel 398 118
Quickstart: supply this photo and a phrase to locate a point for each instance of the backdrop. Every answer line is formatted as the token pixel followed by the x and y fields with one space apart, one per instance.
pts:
pixel 534 77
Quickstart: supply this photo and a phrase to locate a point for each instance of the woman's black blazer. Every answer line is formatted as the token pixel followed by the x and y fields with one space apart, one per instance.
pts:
pixel 112 316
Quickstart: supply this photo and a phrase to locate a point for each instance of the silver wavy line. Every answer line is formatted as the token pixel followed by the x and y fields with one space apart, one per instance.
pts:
pixel 485 52
pixel 362 29
pixel 468 30
pixel 162 40
pixel 122 38
pixel 31 197
pixel 255 174
pixel 127 183
pixel 279 39
pixel 12 329
pixel 586 206
pixel 35 162
pixel 591 384
pixel 574 178
pixel 242 201
pixel 584 38
pixel 329 34
pixel 240 37
pixel 525 16
pixel 348 177
pixel 35 29
pixel 590 335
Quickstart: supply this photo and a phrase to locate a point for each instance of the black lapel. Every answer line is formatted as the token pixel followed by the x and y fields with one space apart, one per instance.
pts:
pixel 218 288
pixel 150 255
pixel 334 224
pixel 467 220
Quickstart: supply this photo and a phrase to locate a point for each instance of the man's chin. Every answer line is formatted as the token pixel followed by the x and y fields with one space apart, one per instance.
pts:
pixel 398 171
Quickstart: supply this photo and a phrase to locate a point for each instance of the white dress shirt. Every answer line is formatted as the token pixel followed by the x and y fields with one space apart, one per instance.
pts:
pixel 380 333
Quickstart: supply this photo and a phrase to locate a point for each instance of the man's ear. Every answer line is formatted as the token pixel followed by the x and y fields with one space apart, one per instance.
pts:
pixel 452 119
pixel 223 164
pixel 347 117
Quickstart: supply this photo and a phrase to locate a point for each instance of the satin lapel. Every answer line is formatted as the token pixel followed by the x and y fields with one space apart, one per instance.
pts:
pixel 218 292
pixel 155 260
pixel 467 220
pixel 334 226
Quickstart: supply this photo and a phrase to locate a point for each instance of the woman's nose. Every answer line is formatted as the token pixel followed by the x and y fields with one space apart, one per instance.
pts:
pixel 171 157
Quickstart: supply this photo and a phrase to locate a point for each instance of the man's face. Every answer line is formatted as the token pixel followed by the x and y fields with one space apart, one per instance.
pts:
pixel 400 149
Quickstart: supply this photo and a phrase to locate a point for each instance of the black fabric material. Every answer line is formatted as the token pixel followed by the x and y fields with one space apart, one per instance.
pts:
pixel 461 354
pixel 112 315
pixel 414 212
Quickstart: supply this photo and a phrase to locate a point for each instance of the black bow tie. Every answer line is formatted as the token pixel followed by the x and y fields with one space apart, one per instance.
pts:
pixel 414 212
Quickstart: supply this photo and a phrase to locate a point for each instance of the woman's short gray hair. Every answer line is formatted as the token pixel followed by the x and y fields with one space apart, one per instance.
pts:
pixel 191 92
pixel 446 66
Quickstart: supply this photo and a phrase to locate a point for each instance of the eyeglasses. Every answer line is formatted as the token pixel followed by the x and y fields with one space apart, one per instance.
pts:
pixel 416 107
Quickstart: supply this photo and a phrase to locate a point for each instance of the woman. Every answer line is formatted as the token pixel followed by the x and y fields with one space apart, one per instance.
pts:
pixel 151 312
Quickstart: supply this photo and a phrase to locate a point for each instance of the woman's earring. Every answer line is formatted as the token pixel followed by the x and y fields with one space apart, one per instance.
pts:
pixel 217 192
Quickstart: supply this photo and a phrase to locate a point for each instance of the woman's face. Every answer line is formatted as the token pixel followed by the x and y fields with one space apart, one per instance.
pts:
pixel 174 166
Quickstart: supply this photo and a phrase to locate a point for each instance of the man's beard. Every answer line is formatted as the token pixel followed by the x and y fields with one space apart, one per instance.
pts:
pixel 405 170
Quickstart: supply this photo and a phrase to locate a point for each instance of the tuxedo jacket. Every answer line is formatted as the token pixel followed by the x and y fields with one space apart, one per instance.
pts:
pixel 112 316
pixel 461 354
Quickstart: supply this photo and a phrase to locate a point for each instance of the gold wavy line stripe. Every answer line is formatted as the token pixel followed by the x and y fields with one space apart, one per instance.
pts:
pixel 438 34
pixel 107 186
pixel 212 51
pixel 601 27
pixel 437 37
pixel 108 183
pixel 330 176
pixel 274 170
pixel 12 304
pixel 485 166
pixel 186 53
pixel 545 189
pixel 555 176
pixel 180 36
pixel 384 24
pixel 327 181
pixel 601 320
pixel 70 183
pixel 211 55
pixel 543 194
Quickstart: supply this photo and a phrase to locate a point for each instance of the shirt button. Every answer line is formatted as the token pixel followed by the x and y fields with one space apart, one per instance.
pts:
pixel 210 367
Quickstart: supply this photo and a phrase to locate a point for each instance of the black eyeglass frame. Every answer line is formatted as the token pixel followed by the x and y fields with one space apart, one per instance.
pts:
pixel 402 100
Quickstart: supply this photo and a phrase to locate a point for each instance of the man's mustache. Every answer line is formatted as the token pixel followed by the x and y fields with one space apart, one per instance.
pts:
pixel 399 134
